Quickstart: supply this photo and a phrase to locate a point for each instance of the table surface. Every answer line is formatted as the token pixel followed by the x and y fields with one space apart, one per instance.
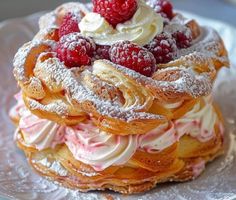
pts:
pixel 216 9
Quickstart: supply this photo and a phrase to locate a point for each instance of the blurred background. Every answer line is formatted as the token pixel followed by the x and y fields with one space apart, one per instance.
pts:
pixel 216 9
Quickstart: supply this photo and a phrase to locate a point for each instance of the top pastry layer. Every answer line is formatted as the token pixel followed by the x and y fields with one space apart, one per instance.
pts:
pixel 118 99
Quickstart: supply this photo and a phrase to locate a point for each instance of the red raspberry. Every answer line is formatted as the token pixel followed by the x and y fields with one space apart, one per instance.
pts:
pixel 75 50
pixel 164 7
pixel 70 23
pixel 102 52
pixel 163 47
pixel 183 38
pixel 133 57
pixel 115 11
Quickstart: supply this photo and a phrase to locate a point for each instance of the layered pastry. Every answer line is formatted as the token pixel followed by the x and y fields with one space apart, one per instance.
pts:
pixel 118 96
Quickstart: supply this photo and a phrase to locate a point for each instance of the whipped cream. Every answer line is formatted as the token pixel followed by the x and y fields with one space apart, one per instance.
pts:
pixel 159 138
pixel 140 29
pixel 98 148
pixel 90 145
pixel 199 122
pixel 101 150
pixel 37 132
pixel 16 110
pixel 198 168
pixel 173 105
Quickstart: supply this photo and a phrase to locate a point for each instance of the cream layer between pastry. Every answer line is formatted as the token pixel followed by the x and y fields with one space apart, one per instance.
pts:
pixel 101 150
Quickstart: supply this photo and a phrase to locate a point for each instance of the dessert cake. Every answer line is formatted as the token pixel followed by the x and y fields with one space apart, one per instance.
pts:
pixel 118 96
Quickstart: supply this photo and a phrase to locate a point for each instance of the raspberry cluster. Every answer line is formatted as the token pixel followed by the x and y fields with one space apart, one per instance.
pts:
pixel 75 50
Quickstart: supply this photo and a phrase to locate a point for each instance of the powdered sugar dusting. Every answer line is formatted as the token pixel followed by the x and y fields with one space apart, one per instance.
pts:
pixel 20 59
pixel 230 154
pixel 188 81
pixel 207 44
pixel 76 91
pixel 71 41
pixel 54 166
pixel 58 107
pixel 48 20
pixel 73 7
pixel 185 80
pixel 51 19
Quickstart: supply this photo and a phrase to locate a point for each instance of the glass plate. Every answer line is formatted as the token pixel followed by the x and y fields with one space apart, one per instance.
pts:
pixel 18 181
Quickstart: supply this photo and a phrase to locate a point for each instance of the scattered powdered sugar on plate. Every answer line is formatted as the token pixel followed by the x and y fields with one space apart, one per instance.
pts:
pixel 230 153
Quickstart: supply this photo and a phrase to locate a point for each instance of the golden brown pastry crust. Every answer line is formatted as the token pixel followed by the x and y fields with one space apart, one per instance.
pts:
pixel 52 91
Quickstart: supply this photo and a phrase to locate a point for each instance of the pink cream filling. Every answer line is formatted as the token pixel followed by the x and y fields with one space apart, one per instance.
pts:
pixel 185 128
pixel 198 168
pixel 94 147
pixel 15 110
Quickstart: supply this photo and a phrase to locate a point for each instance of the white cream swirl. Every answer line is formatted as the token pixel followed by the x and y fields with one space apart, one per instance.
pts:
pixel 141 29
pixel 173 105
pixel 16 110
pixel 90 145
pixel 159 138
pixel 40 133
pixel 99 149
pixel 199 122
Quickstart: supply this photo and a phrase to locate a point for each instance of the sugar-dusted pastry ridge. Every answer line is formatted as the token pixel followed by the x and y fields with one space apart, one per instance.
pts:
pixel 185 81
